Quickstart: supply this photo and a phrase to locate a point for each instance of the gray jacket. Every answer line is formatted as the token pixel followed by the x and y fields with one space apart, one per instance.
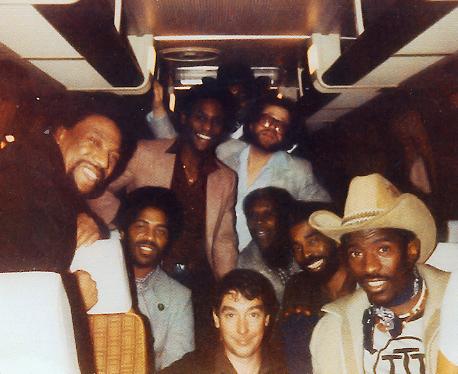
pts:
pixel 167 305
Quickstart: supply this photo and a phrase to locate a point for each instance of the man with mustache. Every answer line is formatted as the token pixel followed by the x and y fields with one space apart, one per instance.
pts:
pixel 204 186
pixel 44 179
pixel 268 253
pixel 322 279
pixel 260 158
pixel 150 220
pixel 244 309
pixel 389 325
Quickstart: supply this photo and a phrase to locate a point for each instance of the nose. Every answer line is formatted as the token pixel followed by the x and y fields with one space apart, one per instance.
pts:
pixel 371 263
pixel 101 159
pixel 242 326
pixel 150 235
pixel 207 125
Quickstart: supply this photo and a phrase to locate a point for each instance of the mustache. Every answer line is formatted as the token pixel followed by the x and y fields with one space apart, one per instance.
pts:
pixel 368 278
pixel 101 172
pixel 146 244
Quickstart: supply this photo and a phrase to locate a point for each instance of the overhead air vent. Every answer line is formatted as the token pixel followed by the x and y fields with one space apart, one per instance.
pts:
pixel 190 54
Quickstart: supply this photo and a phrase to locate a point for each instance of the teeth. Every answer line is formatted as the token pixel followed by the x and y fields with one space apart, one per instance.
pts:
pixel 146 249
pixel 202 136
pixel 375 283
pixel 315 265
pixel 90 174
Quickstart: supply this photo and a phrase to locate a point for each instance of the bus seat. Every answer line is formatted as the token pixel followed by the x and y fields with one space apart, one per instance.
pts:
pixel 445 257
pixel 104 260
pixel 120 343
pixel 36 325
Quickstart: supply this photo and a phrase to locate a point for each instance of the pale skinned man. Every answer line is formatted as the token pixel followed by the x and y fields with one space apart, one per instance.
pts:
pixel 244 310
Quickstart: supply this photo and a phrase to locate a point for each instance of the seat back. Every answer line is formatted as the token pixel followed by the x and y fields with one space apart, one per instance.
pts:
pixel 36 326
pixel 120 343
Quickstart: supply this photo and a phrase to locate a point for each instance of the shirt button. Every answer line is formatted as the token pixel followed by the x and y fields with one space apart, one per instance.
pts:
pixel 160 306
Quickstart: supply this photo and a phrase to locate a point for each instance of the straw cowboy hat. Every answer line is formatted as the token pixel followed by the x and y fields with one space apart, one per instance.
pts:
pixel 374 202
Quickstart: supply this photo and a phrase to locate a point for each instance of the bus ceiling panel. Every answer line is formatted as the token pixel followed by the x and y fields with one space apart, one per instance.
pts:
pixel 408 21
pixel 404 41
pixel 75 33
pixel 89 27
pixel 228 17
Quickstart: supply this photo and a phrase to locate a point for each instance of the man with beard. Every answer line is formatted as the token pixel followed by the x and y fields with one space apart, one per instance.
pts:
pixel 268 253
pixel 44 178
pixel 149 220
pixel 205 188
pixel 261 160
pixel 390 324
pixel 323 279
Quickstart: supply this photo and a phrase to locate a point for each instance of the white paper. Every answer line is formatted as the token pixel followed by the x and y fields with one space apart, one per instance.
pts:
pixel 104 260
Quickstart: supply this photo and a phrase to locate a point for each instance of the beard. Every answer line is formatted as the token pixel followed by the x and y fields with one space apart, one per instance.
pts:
pixel 271 148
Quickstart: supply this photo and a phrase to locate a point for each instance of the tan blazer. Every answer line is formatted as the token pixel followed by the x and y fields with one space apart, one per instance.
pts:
pixel 151 165
pixel 337 340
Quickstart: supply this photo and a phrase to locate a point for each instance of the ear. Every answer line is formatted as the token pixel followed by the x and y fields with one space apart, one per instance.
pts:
pixel 267 321
pixel 413 251
pixel 216 320
pixel 59 134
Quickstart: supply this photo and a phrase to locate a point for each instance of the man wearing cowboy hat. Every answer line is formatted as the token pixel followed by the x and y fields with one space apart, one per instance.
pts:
pixel 390 324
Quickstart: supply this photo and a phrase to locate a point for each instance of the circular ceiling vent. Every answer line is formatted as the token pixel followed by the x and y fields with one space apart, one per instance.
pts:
pixel 190 54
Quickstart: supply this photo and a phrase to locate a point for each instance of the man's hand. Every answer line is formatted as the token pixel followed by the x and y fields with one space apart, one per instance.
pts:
pixel 158 100
pixel 87 231
pixel 87 287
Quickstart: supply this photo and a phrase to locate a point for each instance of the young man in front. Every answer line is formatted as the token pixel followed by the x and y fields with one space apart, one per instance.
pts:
pixel 389 325
pixel 244 309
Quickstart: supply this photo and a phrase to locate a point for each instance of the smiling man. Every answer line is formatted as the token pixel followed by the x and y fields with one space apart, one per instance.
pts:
pixel 244 309
pixel 269 252
pixel 322 279
pixel 390 325
pixel 149 221
pixel 45 177
pixel 204 186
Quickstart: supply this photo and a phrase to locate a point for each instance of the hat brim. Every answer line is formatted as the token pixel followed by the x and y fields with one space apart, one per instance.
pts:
pixel 408 213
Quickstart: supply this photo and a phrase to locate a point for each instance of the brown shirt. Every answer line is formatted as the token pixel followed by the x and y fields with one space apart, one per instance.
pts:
pixel 214 361
pixel 189 248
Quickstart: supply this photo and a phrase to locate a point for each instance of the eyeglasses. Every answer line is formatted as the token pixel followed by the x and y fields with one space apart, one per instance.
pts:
pixel 266 120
